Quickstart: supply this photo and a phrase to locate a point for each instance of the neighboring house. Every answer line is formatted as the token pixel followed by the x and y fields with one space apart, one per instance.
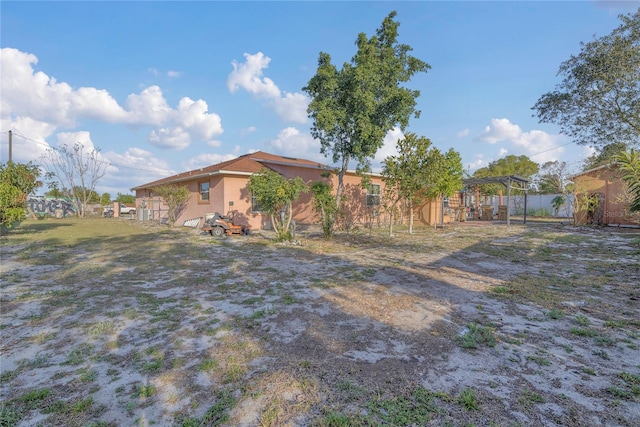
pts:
pixel 223 188
pixel 600 195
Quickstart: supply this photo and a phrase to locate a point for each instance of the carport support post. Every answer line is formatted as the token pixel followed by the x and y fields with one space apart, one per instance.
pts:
pixel 476 201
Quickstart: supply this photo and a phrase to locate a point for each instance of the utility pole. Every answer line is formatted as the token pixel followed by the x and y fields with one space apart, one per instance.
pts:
pixel 10 141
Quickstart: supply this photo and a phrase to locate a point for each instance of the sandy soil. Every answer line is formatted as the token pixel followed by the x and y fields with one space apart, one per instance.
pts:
pixel 300 333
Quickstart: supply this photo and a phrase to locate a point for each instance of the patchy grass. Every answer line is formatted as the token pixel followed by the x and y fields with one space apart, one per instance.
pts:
pixel 476 336
pixel 342 332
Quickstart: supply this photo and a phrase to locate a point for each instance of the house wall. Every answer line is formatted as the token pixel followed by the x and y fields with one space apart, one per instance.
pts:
pixel 226 189
pixel 610 187
pixel 431 212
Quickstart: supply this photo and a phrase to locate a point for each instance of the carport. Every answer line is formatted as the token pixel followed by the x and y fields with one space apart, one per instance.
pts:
pixel 509 181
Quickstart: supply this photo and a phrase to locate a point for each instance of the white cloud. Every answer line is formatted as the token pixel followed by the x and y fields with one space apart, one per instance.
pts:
pixel 32 94
pixel 588 152
pixel 478 162
pixel 462 133
pixel 207 159
pixel 389 148
pixel 53 105
pixel 140 160
pixel 92 103
pixel 247 131
pixel 148 108
pixel 292 107
pixel 26 149
pixel 537 144
pixel 194 116
pixel 291 142
pixel 71 138
pixel 502 152
pixel 174 137
pixel 133 167
pixel 153 71
pixel 249 76
pixel 174 74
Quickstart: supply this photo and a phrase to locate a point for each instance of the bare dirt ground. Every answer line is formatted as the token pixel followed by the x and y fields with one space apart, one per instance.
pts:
pixel 535 325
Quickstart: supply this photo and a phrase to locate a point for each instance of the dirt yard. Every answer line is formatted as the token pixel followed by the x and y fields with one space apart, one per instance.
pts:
pixel 107 322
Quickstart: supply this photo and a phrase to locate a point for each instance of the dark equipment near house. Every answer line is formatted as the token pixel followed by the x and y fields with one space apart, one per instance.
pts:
pixel 219 225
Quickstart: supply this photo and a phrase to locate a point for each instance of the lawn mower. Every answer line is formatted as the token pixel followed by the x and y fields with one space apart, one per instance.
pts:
pixel 219 225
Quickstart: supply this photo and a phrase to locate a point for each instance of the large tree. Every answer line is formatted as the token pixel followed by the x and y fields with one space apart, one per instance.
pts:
pixel 75 170
pixel 275 195
pixel 17 181
pixel 604 155
pixel 598 101
pixel 510 165
pixel 354 107
pixel 552 178
pixel 126 198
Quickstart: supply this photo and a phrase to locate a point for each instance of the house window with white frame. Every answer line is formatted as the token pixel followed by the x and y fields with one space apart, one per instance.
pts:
pixel 373 195
pixel 255 206
pixel 203 188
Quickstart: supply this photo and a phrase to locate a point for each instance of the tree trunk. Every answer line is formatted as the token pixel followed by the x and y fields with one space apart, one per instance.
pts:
pixel 274 223
pixel 289 215
pixel 410 205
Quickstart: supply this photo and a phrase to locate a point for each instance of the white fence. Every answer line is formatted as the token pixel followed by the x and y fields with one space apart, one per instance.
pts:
pixel 537 205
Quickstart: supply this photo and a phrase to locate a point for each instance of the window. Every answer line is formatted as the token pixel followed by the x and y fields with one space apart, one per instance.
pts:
pixel 255 206
pixel 203 187
pixel 373 195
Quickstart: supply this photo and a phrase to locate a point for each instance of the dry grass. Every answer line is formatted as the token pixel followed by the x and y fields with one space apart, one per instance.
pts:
pixel 110 322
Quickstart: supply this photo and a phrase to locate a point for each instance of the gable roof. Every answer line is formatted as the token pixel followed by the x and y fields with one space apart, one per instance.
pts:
pixel 246 165
pixel 504 180
pixel 605 166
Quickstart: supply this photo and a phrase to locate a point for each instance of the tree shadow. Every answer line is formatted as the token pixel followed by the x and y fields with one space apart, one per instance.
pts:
pixel 377 312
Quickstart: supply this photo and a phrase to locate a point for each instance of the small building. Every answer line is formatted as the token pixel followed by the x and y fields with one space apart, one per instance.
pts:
pixel 601 197
pixel 223 188
pixel 442 210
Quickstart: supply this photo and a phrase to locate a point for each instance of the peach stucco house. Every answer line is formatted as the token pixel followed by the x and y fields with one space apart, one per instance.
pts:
pixel 605 185
pixel 223 188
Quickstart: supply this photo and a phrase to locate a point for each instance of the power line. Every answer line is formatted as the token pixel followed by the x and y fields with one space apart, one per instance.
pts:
pixel 551 149
pixel 100 161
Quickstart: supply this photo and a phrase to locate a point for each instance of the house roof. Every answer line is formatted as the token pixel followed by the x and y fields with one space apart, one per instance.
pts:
pixel 246 164
pixel 588 171
pixel 504 180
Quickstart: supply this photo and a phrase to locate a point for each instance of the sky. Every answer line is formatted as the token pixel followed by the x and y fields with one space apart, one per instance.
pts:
pixel 163 87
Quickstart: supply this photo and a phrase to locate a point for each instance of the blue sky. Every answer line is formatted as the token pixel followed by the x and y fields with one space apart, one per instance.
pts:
pixel 164 87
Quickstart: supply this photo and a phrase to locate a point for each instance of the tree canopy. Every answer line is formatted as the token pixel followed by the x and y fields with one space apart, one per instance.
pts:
pixel 598 101
pixel 510 165
pixel 420 172
pixel 126 198
pixel 275 195
pixel 175 197
pixel 604 155
pixel 17 181
pixel 552 178
pixel 407 174
pixel 75 170
pixel 354 107
pixel 629 164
